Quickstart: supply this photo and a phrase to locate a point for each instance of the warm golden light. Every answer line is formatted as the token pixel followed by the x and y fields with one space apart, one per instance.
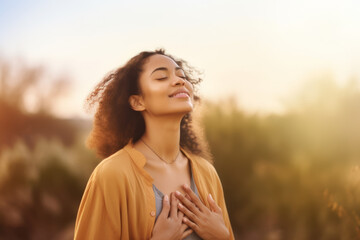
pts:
pixel 281 107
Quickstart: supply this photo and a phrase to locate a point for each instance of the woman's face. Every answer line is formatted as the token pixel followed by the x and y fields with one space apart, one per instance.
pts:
pixel 164 87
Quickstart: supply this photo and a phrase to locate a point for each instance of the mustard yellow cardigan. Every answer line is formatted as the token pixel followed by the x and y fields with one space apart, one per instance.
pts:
pixel 119 201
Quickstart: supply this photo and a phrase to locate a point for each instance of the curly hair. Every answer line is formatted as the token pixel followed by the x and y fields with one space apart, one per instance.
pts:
pixel 116 123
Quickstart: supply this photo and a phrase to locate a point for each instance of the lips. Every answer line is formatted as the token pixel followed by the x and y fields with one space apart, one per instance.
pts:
pixel 180 92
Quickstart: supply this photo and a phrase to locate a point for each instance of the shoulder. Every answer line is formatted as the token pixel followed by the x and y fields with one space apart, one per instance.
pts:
pixel 203 163
pixel 205 168
pixel 114 168
pixel 210 177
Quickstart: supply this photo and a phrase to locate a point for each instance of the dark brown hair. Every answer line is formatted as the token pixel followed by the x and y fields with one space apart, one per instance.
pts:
pixel 116 123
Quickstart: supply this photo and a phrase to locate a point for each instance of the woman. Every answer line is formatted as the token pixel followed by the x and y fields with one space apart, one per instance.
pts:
pixel 154 182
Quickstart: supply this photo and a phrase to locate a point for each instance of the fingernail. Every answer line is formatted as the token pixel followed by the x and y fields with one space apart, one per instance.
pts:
pixel 186 186
pixel 166 198
pixel 180 205
pixel 211 196
pixel 178 193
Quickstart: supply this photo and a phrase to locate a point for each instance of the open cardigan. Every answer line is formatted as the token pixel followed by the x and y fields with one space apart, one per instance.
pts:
pixel 119 201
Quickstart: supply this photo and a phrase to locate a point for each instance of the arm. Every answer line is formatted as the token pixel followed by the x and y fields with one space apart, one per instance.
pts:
pixel 220 199
pixel 96 218
pixel 208 222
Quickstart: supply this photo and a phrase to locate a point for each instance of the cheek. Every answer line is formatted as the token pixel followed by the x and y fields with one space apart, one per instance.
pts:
pixel 155 92
pixel 190 87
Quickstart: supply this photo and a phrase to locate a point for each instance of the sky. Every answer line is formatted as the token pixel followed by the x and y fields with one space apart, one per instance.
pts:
pixel 259 51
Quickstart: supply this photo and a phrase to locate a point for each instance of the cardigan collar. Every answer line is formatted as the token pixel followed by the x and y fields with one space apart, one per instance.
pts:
pixel 140 160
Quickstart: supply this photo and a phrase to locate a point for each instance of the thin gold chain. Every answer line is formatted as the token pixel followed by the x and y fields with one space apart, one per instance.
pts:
pixel 158 155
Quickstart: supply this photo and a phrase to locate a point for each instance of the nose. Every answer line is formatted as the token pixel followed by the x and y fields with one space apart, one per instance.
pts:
pixel 179 81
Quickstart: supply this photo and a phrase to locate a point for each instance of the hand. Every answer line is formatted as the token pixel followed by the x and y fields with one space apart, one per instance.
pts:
pixel 207 223
pixel 170 226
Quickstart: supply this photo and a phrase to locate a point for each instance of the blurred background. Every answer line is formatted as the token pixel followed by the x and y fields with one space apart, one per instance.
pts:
pixel 281 107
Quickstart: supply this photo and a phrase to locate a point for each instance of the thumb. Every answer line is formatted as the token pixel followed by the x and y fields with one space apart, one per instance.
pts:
pixel 213 206
pixel 165 207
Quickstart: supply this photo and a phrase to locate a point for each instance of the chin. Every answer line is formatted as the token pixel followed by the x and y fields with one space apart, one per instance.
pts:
pixel 183 110
pixel 189 107
pixel 177 108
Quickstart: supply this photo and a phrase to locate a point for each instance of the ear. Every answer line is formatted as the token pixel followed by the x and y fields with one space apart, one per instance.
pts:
pixel 136 103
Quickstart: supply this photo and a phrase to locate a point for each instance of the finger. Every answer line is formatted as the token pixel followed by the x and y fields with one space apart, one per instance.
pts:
pixel 180 214
pixel 165 207
pixel 174 205
pixel 194 197
pixel 192 225
pixel 213 206
pixel 184 227
pixel 188 213
pixel 188 197
pixel 186 233
pixel 187 203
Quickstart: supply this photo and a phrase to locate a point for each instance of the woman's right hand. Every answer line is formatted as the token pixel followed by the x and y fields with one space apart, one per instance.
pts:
pixel 169 223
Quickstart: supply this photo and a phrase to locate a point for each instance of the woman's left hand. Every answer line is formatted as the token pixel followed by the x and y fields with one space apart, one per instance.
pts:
pixel 207 223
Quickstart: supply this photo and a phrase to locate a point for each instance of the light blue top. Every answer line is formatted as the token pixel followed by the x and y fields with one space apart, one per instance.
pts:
pixel 159 200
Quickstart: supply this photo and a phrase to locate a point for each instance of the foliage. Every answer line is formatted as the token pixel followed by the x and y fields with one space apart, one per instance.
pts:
pixel 41 188
pixel 285 176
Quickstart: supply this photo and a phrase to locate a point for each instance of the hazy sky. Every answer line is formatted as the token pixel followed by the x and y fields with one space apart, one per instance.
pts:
pixel 259 51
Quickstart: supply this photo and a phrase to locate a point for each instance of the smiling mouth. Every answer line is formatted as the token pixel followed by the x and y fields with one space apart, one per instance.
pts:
pixel 180 94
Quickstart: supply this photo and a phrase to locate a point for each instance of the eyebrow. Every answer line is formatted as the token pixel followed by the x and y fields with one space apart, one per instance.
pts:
pixel 165 69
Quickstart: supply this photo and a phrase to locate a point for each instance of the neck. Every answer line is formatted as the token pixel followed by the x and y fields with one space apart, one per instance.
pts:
pixel 162 134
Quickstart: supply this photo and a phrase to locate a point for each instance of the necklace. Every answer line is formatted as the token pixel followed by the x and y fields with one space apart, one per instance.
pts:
pixel 158 155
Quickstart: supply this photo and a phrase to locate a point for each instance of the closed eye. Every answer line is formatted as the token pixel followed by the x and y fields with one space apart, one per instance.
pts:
pixel 183 77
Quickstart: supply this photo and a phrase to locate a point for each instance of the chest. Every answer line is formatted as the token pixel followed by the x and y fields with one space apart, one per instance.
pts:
pixel 170 179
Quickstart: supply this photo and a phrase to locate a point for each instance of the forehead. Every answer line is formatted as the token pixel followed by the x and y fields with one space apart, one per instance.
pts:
pixel 159 60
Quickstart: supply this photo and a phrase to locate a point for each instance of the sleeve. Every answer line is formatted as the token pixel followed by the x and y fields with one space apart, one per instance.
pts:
pixel 97 216
pixel 220 199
